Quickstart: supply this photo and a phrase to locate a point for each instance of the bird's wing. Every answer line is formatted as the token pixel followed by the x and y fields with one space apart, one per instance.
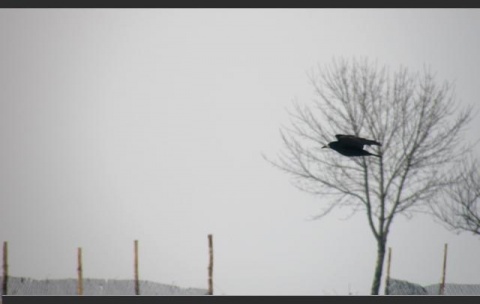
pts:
pixel 356 141
pixel 342 136
pixel 369 142
pixel 350 141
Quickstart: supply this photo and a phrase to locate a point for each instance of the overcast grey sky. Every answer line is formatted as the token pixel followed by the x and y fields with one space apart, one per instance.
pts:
pixel 149 124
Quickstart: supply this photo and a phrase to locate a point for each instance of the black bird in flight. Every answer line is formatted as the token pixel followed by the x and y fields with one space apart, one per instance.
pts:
pixel 350 145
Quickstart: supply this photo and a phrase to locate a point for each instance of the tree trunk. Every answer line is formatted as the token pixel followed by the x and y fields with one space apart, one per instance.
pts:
pixel 377 278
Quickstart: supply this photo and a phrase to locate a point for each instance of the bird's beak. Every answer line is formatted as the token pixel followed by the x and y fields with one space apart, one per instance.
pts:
pixel 324 147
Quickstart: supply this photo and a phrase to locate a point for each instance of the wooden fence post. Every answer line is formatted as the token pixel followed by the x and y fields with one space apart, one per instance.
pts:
pixel 389 261
pixel 137 283
pixel 80 274
pixel 210 265
pixel 5 269
pixel 442 284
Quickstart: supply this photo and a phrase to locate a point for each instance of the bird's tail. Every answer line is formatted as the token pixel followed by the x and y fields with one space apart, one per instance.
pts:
pixel 371 154
pixel 373 142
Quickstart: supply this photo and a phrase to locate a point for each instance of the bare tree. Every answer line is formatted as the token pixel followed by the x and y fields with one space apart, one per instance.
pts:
pixel 459 206
pixel 417 121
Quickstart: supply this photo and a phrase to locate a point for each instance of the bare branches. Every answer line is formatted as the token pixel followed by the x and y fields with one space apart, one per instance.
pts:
pixel 459 207
pixel 418 122
pixel 410 114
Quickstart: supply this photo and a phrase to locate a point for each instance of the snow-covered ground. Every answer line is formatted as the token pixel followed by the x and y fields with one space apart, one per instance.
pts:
pixel 402 287
pixel 94 287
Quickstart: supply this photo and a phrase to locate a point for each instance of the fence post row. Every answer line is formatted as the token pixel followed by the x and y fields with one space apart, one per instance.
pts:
pixel 80 268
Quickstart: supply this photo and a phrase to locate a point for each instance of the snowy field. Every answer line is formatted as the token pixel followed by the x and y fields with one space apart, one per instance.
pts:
pixel 95 287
